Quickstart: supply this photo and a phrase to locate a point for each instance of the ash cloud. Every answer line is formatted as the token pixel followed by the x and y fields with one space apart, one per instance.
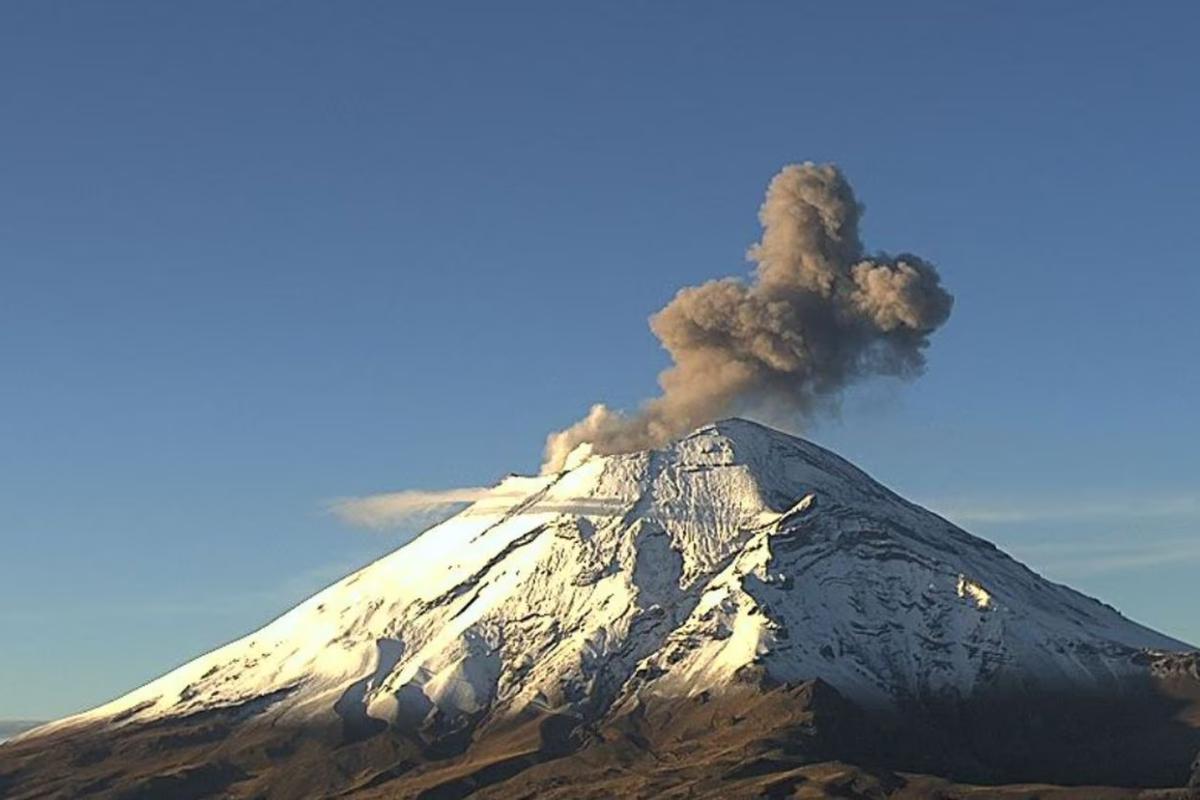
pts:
pixel 818 314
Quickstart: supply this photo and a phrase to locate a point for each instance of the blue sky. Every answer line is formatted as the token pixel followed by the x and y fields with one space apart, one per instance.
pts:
pixel 255 257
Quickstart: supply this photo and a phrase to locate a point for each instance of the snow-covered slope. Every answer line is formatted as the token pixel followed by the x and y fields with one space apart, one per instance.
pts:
pixel 663 573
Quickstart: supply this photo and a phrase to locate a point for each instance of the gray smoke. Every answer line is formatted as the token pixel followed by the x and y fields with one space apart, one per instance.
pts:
pixel 817 315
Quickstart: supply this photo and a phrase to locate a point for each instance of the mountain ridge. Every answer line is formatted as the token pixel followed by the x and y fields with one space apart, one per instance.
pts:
pixel 736 562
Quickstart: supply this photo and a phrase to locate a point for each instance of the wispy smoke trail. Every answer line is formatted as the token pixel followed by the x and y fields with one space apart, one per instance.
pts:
pixel 818 314
pixel 411 507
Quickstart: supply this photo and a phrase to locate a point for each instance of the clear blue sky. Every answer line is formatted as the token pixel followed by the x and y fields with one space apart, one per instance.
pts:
pixel 256 256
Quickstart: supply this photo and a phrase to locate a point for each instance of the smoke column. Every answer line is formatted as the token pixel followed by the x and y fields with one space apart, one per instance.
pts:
pixel 818 314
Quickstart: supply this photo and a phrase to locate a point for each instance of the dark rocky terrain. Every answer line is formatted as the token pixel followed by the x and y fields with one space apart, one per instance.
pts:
pixel 756 740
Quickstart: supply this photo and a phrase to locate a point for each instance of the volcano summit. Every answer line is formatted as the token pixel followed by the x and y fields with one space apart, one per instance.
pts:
pixel 738 614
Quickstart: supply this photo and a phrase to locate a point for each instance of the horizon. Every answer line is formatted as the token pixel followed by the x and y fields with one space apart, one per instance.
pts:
pixel 259 262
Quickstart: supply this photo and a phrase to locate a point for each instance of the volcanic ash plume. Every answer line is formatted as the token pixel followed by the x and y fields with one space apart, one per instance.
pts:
pixel 818 314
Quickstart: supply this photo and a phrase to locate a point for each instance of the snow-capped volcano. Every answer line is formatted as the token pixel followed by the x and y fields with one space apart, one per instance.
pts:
pixel 736 557
pixel 665 572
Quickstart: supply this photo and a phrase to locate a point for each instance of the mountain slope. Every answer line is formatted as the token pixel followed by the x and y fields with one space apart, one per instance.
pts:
pixel 565 612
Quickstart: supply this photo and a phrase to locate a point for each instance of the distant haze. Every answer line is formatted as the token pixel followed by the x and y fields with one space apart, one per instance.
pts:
pixel 11 727
pixel 818 314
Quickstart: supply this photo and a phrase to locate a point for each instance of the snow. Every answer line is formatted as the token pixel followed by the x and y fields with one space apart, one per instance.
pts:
pixel 971 589
pixel 666 572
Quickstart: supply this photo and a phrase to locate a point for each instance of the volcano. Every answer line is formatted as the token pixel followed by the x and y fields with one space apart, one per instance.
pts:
pixel 739 614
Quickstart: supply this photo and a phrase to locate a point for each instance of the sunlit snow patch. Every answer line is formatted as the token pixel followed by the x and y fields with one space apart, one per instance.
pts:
pixel 969 588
